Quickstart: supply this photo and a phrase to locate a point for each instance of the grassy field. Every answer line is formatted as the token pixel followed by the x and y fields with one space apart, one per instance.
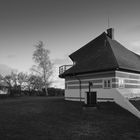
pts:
pixel 48 118
pixel 136 103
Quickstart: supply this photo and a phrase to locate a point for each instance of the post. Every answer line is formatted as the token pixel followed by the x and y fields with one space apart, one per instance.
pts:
pixel 89 86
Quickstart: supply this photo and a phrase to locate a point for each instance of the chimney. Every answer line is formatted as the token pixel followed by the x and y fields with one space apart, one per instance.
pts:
pixel 110 33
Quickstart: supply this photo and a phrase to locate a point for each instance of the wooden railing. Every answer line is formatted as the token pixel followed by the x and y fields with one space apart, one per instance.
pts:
pixel 63 68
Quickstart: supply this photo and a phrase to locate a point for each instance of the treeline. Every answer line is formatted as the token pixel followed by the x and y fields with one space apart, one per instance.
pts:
pixel 51 92
pixel 17 93
pixel 20 84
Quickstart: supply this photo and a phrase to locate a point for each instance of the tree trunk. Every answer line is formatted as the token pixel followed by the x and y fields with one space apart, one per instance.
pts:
pixel 46 89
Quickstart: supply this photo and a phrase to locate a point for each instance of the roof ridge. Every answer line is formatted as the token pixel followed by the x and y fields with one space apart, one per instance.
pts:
pixel 107 38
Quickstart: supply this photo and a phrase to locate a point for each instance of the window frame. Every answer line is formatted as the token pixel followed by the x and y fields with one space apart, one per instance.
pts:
pixel 121 84
pixel 107 84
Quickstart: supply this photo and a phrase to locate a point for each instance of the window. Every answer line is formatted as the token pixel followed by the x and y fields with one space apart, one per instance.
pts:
pixel 107 83
pixel 121 83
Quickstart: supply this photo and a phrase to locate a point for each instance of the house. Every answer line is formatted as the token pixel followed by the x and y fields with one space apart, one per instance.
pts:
pixel 103 70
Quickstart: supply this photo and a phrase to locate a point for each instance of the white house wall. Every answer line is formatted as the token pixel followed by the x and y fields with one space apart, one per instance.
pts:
pixel 102 95
pixel 130 87
pixel 72 86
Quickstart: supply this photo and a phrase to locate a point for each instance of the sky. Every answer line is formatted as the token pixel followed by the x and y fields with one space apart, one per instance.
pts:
pixel 64 26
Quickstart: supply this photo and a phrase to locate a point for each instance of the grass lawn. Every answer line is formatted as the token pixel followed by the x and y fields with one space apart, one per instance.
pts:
pixel 136 103
pixel 48 118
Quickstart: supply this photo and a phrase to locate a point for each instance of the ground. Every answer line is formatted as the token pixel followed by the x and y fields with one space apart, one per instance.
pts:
pixel 52 118
pixel 136 102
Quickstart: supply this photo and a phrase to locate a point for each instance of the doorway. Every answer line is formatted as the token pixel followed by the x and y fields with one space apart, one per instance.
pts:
pixel 91 98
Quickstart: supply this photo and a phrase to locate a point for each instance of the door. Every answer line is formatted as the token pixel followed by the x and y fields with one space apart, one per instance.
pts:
pixel 91 98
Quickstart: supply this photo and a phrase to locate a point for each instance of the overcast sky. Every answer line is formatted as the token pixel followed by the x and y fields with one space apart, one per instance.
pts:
pixel 64 26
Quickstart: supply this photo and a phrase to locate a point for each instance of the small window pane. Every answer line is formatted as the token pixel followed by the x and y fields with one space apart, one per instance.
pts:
pixel 109 84
pixel 105 84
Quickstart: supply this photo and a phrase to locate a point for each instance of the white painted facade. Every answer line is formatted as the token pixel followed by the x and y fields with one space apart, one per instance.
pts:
pixel 72 90
pixel 123 86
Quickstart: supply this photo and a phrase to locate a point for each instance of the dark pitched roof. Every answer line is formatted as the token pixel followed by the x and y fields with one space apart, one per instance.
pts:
pixel 103 54
pixel 125 58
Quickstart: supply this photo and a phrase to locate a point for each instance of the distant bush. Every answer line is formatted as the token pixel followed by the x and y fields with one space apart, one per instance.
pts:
pixel 15 91
pixel 55 91
pixel 51 92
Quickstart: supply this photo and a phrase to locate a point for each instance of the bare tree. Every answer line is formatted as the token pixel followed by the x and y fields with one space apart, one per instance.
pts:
pixel 1 77
pixel 22 79
pixel 14 78
pixel 35 82
pixel 43 65
pixel 8 80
